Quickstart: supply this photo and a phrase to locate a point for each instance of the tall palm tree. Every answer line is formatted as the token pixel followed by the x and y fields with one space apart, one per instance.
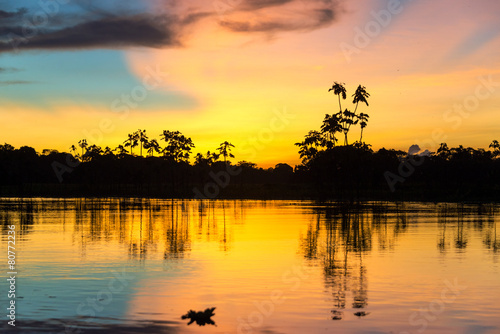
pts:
pixel 361 95
pixel 142 138
pixel 339 89
pixel 132 141
pixel 83 144
pixel 225 150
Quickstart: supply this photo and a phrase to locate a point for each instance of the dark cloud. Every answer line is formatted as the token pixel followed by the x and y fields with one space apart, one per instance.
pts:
pixel 259 4
pixel 108 33
pixel 317 18
pixel 274 16
pixel 7 15
pixel 91 27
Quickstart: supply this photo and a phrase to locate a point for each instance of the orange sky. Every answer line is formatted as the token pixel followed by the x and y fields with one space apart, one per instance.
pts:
pixel 425 63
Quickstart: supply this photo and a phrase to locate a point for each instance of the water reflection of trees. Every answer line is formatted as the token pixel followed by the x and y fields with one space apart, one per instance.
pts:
pixel 339 238
pixel 148 227
pixel 145 228
pixel 457 221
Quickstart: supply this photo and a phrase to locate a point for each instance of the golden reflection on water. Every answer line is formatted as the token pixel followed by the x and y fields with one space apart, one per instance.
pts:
pixel 268 266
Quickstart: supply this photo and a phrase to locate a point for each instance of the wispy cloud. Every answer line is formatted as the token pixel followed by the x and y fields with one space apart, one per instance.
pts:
pixel 311 20
pixel 15 82
pixel 9 70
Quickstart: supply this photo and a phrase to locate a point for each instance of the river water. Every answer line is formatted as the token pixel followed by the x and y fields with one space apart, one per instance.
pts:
pixel 138 265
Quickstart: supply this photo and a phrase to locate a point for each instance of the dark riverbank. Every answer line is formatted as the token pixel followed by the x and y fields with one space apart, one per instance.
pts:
pixel 345 173
pixel 251 191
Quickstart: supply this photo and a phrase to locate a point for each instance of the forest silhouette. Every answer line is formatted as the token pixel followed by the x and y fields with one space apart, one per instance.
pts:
pixel 165 167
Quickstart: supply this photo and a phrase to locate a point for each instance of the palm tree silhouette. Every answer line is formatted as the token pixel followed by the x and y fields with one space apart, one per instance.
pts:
pixel 363 118
pixel 360 95
pixel 339 89
pixel 83 144
pixel 132 141
pixel 142 138
pixel 225 150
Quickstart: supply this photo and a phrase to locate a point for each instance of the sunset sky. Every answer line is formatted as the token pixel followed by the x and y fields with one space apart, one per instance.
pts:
pixel 252 72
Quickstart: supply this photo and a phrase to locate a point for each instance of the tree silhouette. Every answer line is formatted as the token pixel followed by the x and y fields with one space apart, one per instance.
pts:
pixel 83 144
pixel 120 151
pixel 142 139
pixel 331 125
pixel 225 150
pixel 363 118
pixel 339 89
pixel 108 151
pixel 93 152
pixel 495 145
pixel 132 141
pixel 361 95
pixel 443 151
pixel 311 145
pixel 345 118
pixel 207 160
pixel 178 146
pixel 72 149
pixel 152 146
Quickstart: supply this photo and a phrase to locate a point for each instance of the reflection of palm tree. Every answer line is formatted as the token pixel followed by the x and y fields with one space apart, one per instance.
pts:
pixel 442 241
pixel 461 240
pixel 224 240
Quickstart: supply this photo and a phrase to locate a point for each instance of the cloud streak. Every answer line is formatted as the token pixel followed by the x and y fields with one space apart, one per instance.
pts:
pixel 15 82
pixel 9 69
pixel 89 28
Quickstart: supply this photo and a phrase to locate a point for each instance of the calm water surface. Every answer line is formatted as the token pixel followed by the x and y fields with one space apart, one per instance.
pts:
pixel 125 265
